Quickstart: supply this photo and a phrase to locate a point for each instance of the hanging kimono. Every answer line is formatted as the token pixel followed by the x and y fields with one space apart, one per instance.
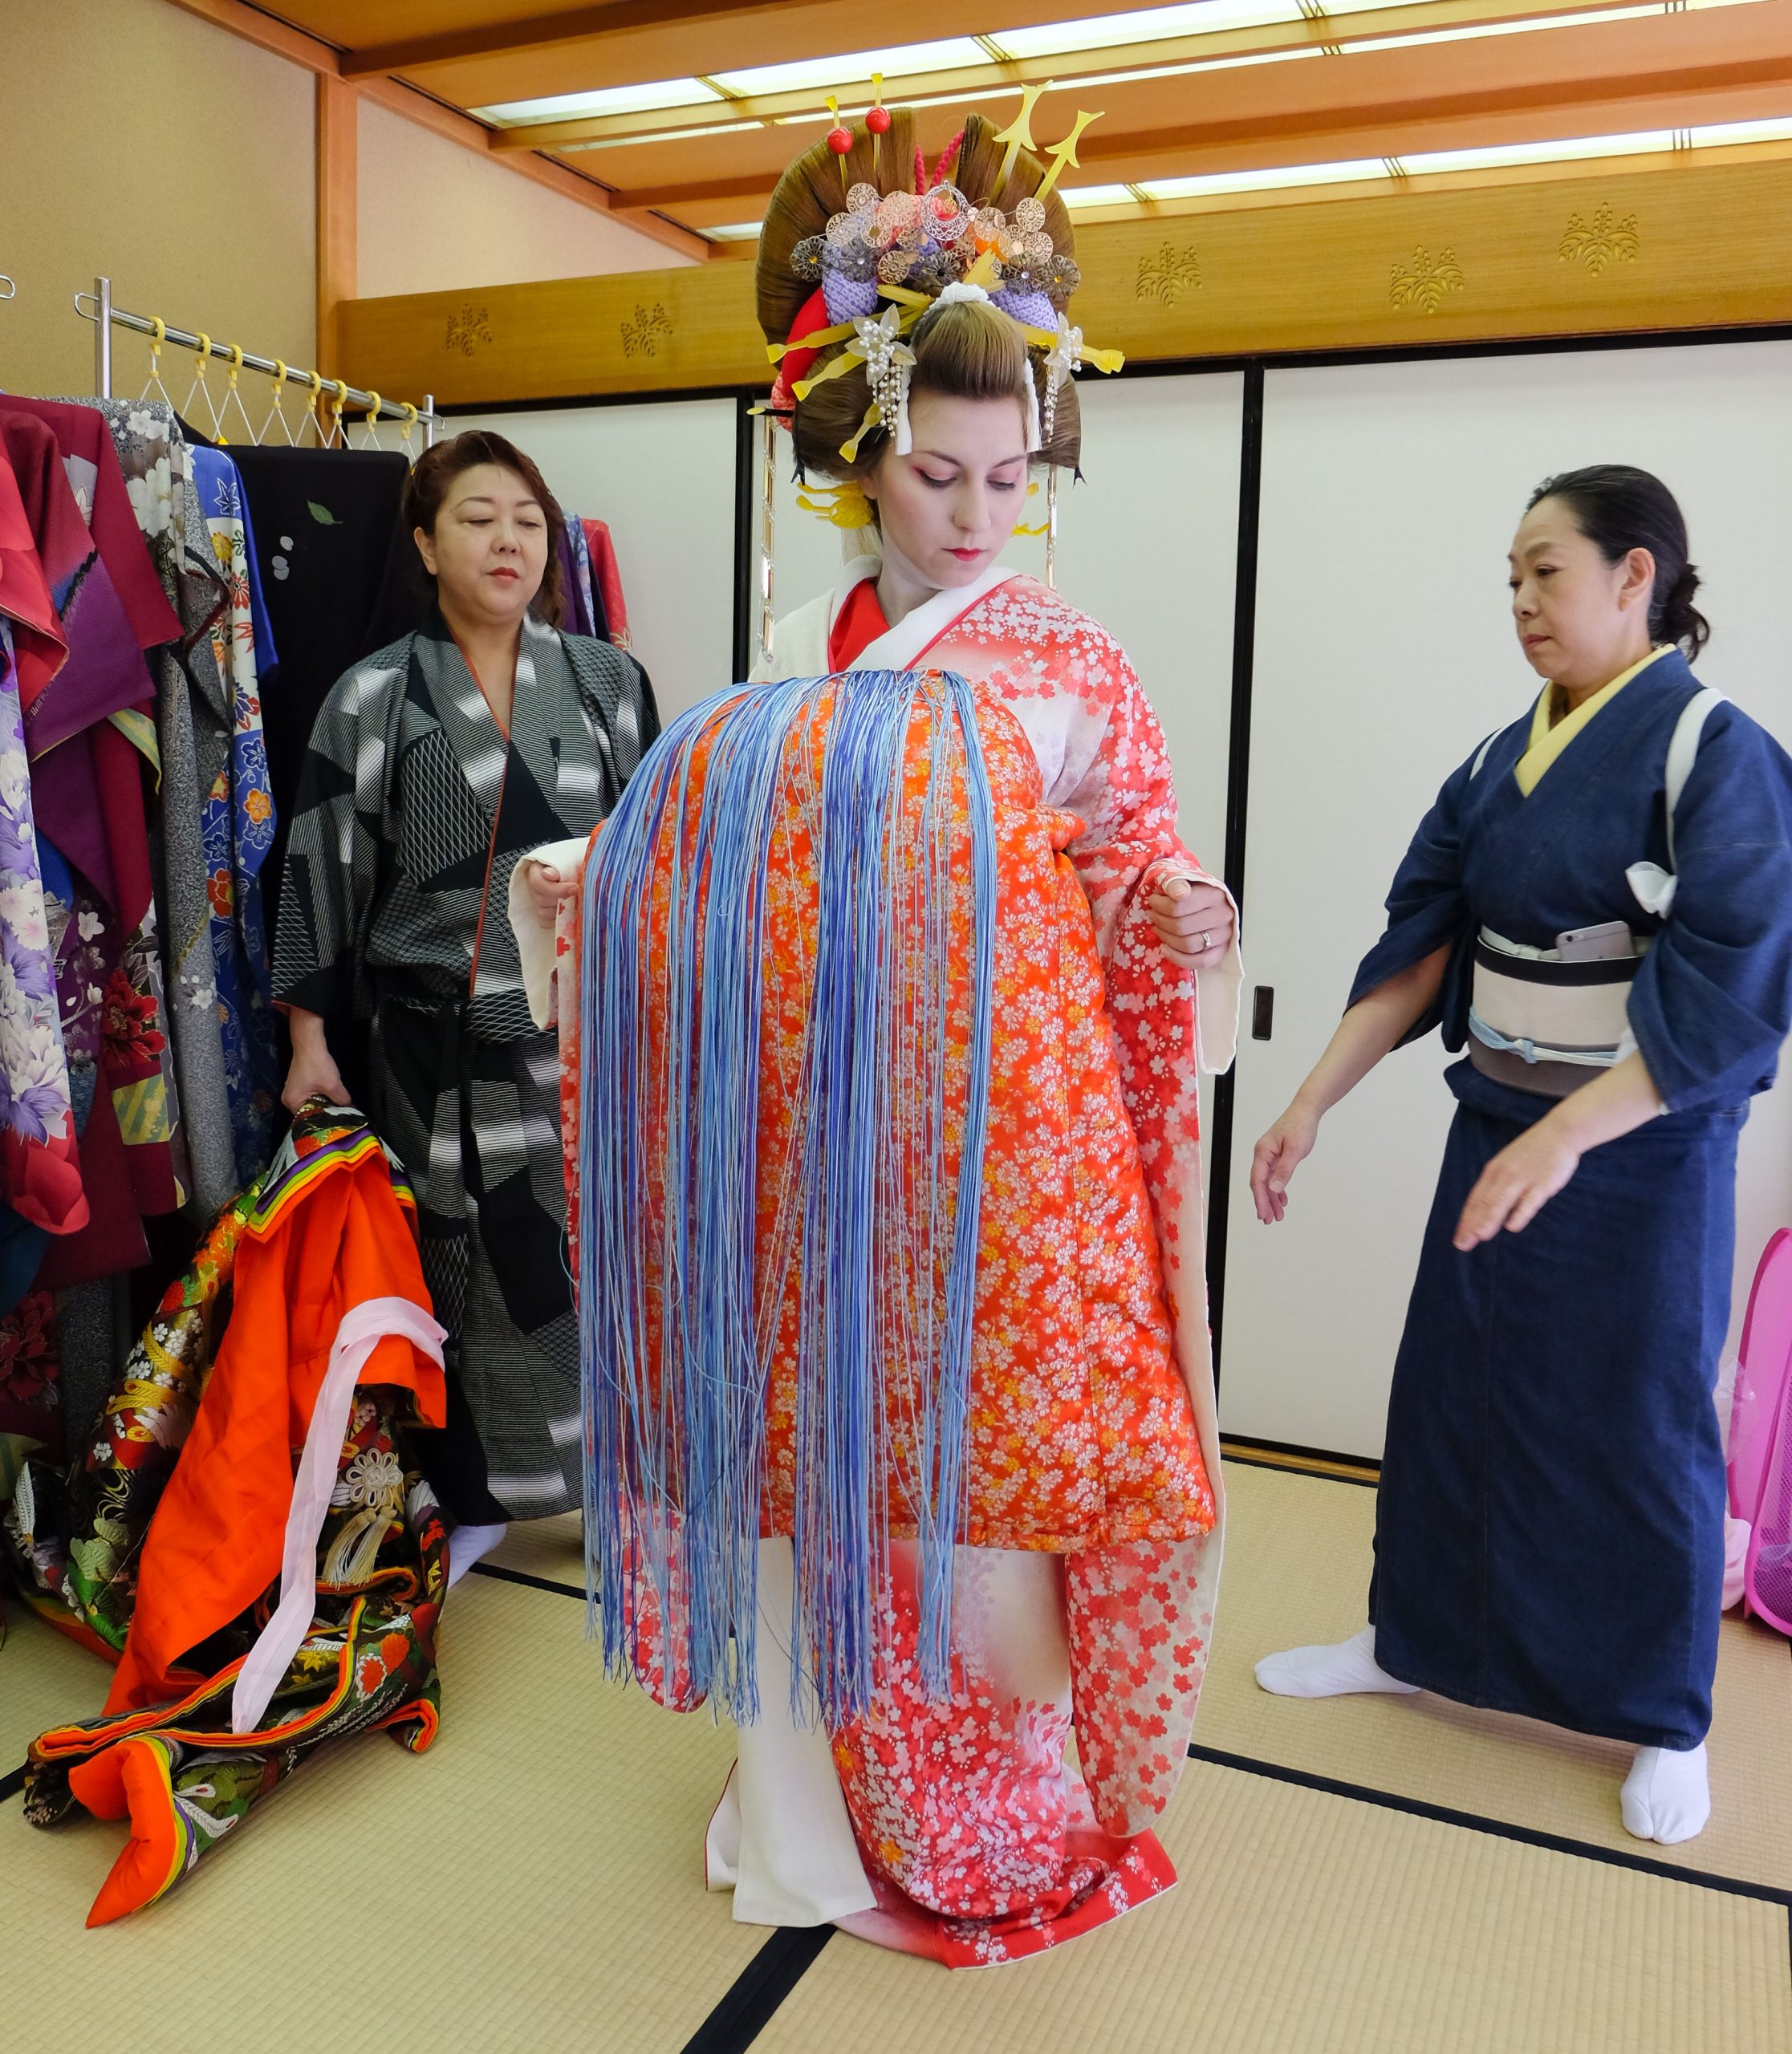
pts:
pixel 84 738
pixel 943 1821
pixel 413 809
pixel 327 526
pixel 607 580
pixel 40 1179
pixel 575 579
pixel 191 749
pixel 1550 1524
pixel 238 825
pixel 260 1613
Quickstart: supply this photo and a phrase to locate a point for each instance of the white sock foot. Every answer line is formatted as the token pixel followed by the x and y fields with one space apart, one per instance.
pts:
pixel 1667 1796
pixel 1330 1672
pixel 466 1545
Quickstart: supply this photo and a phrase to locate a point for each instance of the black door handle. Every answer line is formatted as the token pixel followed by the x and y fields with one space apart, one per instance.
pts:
pixel 1262 1012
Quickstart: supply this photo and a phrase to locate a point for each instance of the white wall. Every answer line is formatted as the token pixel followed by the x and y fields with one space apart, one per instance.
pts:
pixel 1384 653
pixel 661 473
pixel 431 216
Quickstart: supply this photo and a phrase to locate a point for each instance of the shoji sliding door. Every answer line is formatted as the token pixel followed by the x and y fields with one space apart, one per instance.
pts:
pixel 661 473
pixel 1384 653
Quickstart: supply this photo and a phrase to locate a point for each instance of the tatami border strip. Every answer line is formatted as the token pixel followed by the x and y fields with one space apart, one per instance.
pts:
pixel 1476 1822
pixel 529 1582
pixel 759 1990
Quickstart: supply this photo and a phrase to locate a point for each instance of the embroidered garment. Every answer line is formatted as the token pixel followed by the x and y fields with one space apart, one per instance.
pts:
pixel 413 808
pixel 329 1355
pixel 1089 1443
pixel 238 826
pixel 76 1532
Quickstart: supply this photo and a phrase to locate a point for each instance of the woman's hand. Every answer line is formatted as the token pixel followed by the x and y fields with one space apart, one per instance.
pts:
pixel 548 891
pixel 1194 921
pixel 313 1073
pixel 1277 1157
pixel 1517 1184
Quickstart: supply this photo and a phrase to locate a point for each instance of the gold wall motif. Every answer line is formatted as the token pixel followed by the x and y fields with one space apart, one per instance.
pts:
pixel 1426 281
pixel 1602 242
pixel 1166 274
pixel 1268 279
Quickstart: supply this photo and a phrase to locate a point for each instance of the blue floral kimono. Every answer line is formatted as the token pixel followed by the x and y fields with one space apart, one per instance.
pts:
pixel 1550 1527
pixel 237 823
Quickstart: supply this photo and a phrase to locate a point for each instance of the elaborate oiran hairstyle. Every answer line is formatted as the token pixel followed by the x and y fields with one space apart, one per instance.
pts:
pixel 847 236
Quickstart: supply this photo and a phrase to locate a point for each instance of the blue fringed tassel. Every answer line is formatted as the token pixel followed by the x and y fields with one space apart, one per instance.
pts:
pixel 676 1334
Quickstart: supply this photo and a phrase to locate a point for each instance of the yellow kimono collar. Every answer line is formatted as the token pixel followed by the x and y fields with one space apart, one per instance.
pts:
pixel 1548 742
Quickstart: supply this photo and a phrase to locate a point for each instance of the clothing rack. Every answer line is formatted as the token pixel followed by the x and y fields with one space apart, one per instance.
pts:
pixel 11 291
pixel 99 309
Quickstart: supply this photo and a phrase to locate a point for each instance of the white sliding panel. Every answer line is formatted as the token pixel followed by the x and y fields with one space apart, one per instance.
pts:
pixel 661 473
pixel 1384 653
pixel 1147 543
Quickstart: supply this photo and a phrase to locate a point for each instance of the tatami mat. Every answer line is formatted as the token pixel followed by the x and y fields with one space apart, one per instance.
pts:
pixel 534 1883
pixel 553 1549
pixel 1310 1924
pixel 44 1679
pixel 1298 1557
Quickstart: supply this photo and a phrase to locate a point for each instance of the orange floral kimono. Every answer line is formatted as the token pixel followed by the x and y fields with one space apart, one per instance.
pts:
pixel 1087 1567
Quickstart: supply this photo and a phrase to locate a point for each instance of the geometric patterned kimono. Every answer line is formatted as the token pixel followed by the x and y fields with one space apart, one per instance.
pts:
pixel 941 1818
pixel 1550 1522
pixel 413 806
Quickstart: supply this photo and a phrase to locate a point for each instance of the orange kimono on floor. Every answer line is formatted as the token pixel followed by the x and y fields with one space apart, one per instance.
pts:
pixel 215 1544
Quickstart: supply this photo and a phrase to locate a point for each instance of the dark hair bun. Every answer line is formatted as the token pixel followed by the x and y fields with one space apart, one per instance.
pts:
pixel 1673 617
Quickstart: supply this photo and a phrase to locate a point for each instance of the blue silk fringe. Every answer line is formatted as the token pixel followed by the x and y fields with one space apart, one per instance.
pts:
pixel 674 1482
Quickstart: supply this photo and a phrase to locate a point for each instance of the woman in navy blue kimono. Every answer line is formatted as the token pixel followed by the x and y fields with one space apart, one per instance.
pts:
pixel 1599 910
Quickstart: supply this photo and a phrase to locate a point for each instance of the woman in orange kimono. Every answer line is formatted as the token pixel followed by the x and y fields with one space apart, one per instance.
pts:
pixel 1007 1538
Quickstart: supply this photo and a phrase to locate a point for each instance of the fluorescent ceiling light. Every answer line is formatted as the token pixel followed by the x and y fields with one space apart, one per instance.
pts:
pixel 1502 156
pixel 612 100
pixel 1252 181
pixel 1203 64
pixel 652 135
pixel 735 232
pixel 957 53
pixel 1147 25
pixel 1476 29
pixel 1722 134
pixel 1099 196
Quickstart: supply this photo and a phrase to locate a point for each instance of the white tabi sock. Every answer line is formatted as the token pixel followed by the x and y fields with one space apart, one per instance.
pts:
pixel 466 1545
pixel 1667 1796
pixel 1330 1672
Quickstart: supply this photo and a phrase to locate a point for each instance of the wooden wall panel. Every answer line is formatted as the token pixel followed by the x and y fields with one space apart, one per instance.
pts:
pixel 1680 246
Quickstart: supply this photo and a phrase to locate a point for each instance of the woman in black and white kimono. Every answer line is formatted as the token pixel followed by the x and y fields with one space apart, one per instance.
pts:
pixel 433 766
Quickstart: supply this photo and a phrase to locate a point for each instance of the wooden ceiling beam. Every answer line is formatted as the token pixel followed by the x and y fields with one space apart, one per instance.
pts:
pixel 541 32
pixel 626 39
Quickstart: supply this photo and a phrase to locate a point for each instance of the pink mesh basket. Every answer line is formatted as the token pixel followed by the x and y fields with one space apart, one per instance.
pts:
pixel 1760 1437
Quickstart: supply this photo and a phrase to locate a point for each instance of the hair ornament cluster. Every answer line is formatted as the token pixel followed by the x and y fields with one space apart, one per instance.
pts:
pixel 881 263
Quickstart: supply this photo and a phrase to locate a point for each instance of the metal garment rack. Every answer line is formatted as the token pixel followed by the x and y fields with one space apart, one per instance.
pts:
pixel 97 307
pixel 11 291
